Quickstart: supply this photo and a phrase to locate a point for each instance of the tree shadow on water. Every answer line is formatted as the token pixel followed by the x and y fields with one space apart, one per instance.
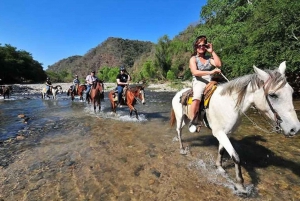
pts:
pixel 253 156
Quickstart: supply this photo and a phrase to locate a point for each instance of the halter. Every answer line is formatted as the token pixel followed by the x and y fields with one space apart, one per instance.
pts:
pixel 135 97
pixel 277 118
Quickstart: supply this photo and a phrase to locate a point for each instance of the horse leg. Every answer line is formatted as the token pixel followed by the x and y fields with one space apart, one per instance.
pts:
pixel 179 127
pixel 221 151
pixel 225 142
pixel 132 109
pixel 94 103
pixel 99 105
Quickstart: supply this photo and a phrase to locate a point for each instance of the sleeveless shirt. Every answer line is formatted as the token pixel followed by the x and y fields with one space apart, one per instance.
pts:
pixel 204 67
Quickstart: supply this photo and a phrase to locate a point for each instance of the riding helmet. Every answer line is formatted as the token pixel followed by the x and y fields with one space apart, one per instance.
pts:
pixel 122 68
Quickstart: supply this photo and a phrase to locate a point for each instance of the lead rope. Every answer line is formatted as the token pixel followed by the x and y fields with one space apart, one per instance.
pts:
pixel 253 123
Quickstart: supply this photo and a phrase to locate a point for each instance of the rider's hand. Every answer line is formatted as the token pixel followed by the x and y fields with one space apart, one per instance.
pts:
pixel 209 48
pixel 216 71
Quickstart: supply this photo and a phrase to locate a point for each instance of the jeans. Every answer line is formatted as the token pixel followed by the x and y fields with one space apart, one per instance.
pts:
pixel 88 89
pixel 47 88
pixel 120 92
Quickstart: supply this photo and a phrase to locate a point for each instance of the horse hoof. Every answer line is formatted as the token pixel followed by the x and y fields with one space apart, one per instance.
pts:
pixel 175 139
pixel 241 189
pixel 183 152
pixel 192 128
pixel 221 170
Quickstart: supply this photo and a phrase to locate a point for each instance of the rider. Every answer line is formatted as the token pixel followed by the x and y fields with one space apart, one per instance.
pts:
pixel 202 68
pixel 89 81
pixel 48 85
pixel 75 81
pixel 123 79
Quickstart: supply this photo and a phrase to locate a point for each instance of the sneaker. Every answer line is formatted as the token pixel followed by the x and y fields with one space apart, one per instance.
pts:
pixel 192 127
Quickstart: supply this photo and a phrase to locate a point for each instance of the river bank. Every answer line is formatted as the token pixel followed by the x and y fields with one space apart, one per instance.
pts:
pixel 37 88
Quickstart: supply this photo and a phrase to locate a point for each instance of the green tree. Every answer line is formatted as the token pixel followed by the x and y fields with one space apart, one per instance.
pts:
pixel 162 56
pixel 171 75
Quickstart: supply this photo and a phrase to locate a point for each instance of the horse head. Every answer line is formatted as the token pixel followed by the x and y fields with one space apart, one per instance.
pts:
pixel 278 96
pixel 140 94
pixel 58 89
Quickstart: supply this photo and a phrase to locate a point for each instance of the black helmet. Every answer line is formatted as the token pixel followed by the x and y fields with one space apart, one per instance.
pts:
pixel 48 78
pixel 122 68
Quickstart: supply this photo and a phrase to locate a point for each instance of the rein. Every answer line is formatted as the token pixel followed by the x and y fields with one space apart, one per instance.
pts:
pixel 134 92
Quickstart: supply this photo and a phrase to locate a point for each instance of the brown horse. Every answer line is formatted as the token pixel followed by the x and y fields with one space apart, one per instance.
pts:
pixel 5 91
pixel 132 94
pixel 78 91
pixel 96 94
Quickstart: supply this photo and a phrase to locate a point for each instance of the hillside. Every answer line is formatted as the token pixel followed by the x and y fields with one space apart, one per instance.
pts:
pixel 112 52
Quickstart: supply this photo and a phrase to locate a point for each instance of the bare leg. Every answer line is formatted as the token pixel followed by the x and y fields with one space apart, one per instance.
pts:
pixel 194 108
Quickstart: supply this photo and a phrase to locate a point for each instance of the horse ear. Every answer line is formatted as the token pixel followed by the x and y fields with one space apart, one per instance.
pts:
pixel 262 75
pixel 282 68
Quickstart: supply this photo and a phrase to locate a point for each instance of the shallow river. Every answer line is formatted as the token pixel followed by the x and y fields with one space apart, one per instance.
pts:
pixel 62 150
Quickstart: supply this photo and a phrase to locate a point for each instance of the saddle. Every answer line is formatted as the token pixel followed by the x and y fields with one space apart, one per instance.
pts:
pixel 123 94
pixel 186 98
pixel 200 116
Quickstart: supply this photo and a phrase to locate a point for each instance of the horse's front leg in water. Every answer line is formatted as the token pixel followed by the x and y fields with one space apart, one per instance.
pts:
pixel 131 108
pixel 136 113
pixel 224 140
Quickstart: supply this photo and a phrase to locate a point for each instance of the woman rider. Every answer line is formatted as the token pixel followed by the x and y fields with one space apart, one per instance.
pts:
pixel 202 68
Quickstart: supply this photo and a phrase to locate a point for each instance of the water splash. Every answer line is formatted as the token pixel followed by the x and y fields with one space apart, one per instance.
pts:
pixel 206 166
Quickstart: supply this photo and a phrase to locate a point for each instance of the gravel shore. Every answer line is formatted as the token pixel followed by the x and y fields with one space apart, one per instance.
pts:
pixel 37 88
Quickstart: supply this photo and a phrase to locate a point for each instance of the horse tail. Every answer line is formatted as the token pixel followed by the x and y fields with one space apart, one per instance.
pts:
pixel 172 117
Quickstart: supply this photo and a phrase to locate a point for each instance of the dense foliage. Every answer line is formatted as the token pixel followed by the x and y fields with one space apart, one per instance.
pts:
pixel 244 33
pixel 18 66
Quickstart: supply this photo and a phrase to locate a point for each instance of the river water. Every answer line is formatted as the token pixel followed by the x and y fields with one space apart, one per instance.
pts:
pixel 62 150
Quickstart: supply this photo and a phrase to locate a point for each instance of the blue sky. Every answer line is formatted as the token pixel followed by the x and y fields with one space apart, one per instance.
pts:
pixel 52 30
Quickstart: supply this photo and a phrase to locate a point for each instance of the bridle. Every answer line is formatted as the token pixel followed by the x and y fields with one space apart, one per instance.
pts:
pixel 136 93
pixel 277 117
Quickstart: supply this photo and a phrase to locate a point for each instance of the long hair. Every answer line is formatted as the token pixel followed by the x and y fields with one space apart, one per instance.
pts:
pixel 198 40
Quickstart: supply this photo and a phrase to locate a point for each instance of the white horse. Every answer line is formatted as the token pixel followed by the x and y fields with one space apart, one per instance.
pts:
pixel 267 90
pixel 54 91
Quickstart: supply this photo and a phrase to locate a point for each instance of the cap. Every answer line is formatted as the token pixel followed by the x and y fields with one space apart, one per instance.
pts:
pixel 122 68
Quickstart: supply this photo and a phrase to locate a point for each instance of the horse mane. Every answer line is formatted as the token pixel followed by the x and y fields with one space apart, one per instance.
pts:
pixel 240 84
pixel 135 87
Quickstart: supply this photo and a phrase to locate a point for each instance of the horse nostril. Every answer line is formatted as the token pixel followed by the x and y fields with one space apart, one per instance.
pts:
pixel 293 131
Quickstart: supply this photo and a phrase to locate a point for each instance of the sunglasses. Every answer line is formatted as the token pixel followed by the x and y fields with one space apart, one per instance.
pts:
pixel 201 46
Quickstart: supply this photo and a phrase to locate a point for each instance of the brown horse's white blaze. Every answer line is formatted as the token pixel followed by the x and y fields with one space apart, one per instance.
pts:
pixel 133 93
pixel 267 90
